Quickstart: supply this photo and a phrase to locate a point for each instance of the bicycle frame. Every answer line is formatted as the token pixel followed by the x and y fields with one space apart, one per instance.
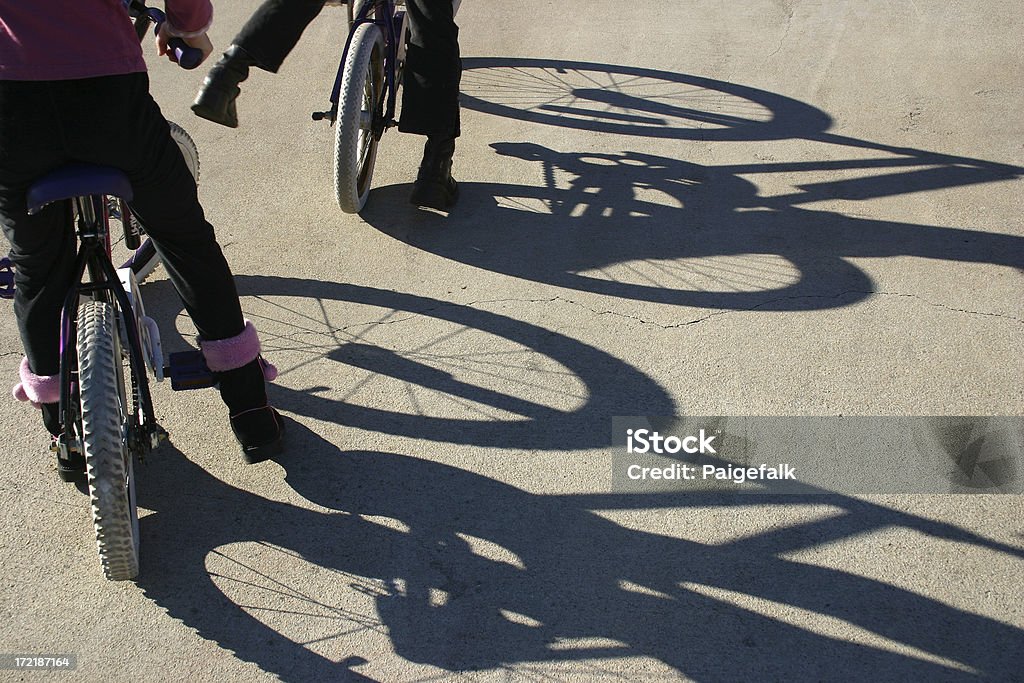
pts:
pixel 93 233
pixel 384 17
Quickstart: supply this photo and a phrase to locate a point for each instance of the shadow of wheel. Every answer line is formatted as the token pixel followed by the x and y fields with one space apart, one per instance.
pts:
pixel 628 100
pixel 736 263
pixel 482 406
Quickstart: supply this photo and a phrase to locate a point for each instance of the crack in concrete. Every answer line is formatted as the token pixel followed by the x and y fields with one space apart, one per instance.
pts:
pixel 740 310
pixel 644 321
pixel 943 306
pixel 785 31
pixel 9 486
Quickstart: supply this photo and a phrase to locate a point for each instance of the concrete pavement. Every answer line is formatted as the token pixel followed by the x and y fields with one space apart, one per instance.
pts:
pixel 765 208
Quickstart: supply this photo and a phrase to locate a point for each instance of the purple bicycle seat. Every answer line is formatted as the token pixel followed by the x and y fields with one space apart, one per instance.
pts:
pixel 77 180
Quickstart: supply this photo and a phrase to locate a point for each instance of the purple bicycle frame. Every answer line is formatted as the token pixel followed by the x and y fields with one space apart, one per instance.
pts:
pixel 384 17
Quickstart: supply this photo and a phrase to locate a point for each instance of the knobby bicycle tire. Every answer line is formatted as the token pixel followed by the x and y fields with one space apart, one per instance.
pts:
pixel 104 414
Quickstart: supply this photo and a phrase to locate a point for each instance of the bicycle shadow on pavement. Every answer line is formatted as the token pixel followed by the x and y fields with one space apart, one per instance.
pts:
pixel 455 570
pixel 548 390
pixel 461 572
pixel 629 100
pixel 651 228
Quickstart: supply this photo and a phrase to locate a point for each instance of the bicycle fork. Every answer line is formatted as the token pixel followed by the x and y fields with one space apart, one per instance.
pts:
pixel 103 284
pixel 394 30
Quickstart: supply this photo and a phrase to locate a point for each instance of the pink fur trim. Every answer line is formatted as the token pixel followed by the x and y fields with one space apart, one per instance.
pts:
pixel 269 369
pixel 34 388
pixel 234 352
pixel 231 353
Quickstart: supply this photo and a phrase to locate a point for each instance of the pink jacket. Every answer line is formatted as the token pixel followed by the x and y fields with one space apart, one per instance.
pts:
pixel 55 40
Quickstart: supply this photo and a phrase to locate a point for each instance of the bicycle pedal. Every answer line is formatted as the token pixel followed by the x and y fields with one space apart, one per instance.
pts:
pixel 157 436
pixel 64 449
pixel 188 370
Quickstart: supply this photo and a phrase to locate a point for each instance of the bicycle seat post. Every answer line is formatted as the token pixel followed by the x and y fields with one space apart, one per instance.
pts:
pixel 89 227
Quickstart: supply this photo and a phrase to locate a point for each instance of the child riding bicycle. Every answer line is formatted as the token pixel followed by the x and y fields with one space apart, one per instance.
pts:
pixel 430 93
pixel 74 88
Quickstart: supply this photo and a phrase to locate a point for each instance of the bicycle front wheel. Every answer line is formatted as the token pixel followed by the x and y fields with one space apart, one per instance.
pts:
pixel 105 414
pixel 355 148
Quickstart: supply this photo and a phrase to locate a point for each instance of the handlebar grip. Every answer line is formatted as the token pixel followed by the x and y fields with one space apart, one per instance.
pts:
pixel 186 56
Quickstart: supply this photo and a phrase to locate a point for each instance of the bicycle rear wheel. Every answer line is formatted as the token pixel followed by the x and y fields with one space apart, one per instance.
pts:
pixel 144 259
pixel 355 147
pixel 106 415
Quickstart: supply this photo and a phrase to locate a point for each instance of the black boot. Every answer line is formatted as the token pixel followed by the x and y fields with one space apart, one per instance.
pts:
pixel 72 468
pixel 260 431
pixel 216 99
pixel 435 188
pixel 241 377
pixel 257 426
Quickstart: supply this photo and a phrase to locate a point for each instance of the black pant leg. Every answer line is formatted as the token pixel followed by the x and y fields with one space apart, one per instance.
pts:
pixel 167 204
pixel 111 121
pixel 43 246
pixel 121 126
pixel 433 70
pixel 274 30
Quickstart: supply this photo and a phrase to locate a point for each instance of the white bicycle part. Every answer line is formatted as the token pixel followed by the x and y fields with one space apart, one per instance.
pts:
pixel 149 333
pixel 144 260
pixel 403 40
pixel 188 148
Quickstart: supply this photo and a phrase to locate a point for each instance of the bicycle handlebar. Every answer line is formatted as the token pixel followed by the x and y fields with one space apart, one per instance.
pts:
pixel 186 56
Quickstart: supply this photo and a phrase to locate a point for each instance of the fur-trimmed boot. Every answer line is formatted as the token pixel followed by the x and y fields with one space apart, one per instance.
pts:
pixel 36 389
pixel 43 392
pixel 241 377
